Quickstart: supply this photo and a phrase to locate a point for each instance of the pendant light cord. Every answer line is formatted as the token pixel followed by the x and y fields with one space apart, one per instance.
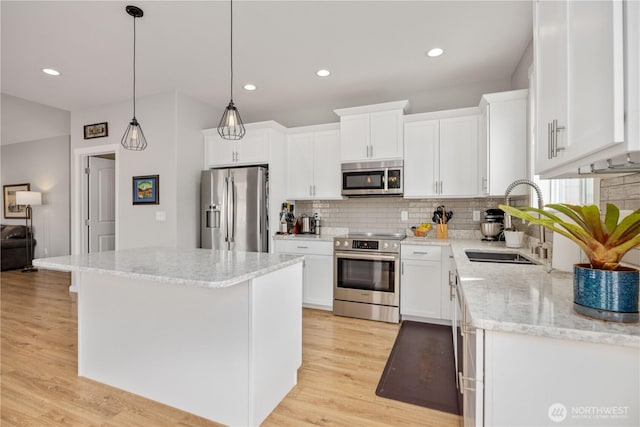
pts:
pixel 134 67
pixel 231 50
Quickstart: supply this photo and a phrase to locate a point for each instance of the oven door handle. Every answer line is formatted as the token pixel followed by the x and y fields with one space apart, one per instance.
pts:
pixel 367 256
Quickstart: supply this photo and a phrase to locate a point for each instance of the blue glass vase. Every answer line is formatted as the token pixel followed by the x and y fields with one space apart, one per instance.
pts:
pixel 606 294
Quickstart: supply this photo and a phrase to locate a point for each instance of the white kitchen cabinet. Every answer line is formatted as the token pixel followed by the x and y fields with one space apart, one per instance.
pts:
pixel 503 142
pixel 317 291
pixel 581 62
pixel 252 149
pixel 372 132
pixel 441 155
pixel 313 164
pixel 423 283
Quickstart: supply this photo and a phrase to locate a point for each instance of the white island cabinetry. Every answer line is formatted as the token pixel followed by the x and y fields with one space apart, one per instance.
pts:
pixel 214 333
pixel 317 290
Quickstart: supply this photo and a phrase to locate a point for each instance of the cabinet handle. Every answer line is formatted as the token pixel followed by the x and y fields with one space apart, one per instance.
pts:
pixel 402 268
pixel 441 187
pixel 461 380
pixel 452 288
pixel 420 253
pixel 549 141
pixel 314 189
pixel 302 247
pixel 484 185
pixel 371 151
pixel 554 140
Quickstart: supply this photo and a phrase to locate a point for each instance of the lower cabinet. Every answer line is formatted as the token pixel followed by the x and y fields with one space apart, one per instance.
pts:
pixel 317 291
pixel 423 283
pixel 512 379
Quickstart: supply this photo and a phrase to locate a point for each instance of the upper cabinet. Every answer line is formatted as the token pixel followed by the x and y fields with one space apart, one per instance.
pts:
pixel 253 149
pixel 313 163
pixel 582 51
pixel 441 154
pixel 503 141
pixel 372 132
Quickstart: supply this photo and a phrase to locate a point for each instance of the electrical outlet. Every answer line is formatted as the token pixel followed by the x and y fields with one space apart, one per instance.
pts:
pixel 161 216
pixel 404 216
pixel 476 215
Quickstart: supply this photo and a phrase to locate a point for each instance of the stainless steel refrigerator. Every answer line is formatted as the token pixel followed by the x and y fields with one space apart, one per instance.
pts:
pixel 234 209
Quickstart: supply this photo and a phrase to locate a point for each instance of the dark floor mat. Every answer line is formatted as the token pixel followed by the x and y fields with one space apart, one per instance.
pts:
pixel 420 369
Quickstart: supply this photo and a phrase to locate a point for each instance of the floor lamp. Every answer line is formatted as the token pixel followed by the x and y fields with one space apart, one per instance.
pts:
pixel 29 199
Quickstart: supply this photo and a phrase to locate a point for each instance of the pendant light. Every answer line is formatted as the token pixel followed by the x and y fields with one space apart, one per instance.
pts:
pixel 133 138
pixel 231 126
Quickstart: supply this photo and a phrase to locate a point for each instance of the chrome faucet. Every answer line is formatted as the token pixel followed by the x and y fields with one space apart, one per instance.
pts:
pixel 507 201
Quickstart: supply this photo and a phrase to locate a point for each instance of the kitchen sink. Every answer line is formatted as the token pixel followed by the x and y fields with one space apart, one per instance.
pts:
pixel 499 257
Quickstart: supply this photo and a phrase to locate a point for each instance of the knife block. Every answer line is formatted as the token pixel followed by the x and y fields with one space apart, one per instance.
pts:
pixel 442 231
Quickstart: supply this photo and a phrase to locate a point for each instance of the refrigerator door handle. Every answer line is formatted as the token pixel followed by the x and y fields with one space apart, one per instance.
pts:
pixel 231 222
pixel 225 198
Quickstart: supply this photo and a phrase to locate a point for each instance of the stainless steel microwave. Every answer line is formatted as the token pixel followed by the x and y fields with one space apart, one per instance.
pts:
pixel 383 178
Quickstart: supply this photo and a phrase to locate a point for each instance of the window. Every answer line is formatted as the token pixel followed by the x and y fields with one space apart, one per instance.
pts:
pixel 575 191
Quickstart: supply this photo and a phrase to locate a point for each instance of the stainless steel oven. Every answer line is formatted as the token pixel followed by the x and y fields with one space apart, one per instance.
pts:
pixel 367 277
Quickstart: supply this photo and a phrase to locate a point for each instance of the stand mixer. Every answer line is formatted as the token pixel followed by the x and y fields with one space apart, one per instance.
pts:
pixel 493 226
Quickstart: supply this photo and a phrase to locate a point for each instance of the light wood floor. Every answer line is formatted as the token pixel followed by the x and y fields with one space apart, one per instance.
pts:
pixel 342 362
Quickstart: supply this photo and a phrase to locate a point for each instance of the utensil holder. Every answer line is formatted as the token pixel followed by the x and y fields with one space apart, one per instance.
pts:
pixel 442 231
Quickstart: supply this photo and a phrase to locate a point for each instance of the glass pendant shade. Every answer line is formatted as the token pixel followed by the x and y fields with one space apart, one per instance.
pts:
pixel 231 126
pixel 133 138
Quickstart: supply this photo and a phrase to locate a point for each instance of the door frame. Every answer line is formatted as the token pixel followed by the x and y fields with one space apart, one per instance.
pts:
pixel 79 193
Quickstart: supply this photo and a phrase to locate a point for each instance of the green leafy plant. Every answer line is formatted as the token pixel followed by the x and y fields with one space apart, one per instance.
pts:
pixel 604 242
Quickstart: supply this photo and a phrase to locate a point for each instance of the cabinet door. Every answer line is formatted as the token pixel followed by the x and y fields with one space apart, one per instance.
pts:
pixel 354 138
pixel 459 156
pixel 300 150
pixel 550 59
pixel 507 146
pixel 420 289
pixel 595 82
pixel 421 158
pixel 318 281
pixel 327 175
pixel 220 151
pixel 386 135
pixel 253 148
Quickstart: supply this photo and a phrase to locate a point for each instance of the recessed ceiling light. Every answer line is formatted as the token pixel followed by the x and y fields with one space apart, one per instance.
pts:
pixel 51 71
pixel 249 86
pixel 323 73
pixel 436 51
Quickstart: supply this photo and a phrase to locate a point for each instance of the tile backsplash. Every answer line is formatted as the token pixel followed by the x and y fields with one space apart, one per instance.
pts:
pixel 383 214
pixel 622 191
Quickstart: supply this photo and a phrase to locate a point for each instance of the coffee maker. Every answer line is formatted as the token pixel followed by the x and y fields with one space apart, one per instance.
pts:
pixel 493 226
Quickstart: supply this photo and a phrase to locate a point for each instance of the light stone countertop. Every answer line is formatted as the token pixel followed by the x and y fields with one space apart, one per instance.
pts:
pixel 526 299
pixel 190 267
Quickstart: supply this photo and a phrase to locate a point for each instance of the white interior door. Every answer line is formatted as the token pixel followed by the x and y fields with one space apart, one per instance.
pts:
pixel 101 221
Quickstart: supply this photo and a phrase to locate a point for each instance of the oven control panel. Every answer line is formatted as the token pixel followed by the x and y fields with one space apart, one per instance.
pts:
pixel 347 244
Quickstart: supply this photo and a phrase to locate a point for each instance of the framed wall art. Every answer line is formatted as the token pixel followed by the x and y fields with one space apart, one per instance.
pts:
pixel 146 190
pixel 11 209
pixel 96 130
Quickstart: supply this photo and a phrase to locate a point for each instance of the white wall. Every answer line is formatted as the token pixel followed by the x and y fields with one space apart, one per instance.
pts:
pixel 45 165
pixel 520 76
pixel 192 117
pixel 172 124
pixel 24 120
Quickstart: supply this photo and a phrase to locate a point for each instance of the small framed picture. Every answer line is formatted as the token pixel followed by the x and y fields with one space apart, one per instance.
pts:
pixel 96 130
pixel 11 209
pixel 146 190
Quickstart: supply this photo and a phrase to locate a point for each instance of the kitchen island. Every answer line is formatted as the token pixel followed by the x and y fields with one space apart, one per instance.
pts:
pixel 214 333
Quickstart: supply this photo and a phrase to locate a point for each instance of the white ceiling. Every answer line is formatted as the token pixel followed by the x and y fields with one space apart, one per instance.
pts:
pixel 374 49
